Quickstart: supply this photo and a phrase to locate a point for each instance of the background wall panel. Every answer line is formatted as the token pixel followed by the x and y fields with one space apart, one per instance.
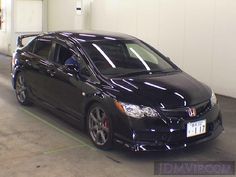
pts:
pixel 61 15
pixel 172 29
pixel 224 54
pixel 31 18
pixel 148 19
pixel 198 38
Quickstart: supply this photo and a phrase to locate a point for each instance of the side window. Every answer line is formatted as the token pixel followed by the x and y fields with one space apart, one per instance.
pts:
pixel 62 54
pixel 30 46
pixel 43 47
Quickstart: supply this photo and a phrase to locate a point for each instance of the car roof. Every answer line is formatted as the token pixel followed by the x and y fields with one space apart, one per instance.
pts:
pixel 88 36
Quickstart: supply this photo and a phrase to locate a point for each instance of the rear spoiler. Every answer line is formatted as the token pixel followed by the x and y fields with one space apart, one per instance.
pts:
pixel 21 37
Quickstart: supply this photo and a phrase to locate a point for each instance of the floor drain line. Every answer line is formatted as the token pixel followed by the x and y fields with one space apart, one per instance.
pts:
pixel 56 128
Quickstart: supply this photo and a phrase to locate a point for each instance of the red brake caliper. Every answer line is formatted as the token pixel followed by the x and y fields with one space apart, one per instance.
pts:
pixel 105 123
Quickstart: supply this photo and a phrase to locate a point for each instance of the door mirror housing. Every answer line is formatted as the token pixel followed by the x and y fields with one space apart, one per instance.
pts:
pixel 84 72
pixel 76 67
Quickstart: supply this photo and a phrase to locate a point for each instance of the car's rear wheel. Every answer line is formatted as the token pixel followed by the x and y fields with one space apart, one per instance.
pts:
pixel 99 127
pixel 21 90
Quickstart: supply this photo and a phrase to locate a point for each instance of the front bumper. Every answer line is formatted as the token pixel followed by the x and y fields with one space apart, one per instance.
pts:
pixel 148 136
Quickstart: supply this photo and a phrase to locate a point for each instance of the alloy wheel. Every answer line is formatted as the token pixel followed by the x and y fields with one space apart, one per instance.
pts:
pixel 21 89
pixel 98 126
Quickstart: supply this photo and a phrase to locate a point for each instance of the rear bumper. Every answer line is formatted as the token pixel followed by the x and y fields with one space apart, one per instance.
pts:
pixel 172 138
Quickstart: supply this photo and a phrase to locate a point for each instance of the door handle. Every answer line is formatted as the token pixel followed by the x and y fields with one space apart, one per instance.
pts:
pixel 28 62
pixel 51 72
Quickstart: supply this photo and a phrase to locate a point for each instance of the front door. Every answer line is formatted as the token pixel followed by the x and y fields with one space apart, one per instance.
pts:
pixel 64 87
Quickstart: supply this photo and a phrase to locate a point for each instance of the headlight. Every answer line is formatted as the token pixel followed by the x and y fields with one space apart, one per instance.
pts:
pixel 213 99
pixel 136 111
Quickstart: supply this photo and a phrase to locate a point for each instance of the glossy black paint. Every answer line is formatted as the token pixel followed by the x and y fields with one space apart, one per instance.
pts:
pixel 71 94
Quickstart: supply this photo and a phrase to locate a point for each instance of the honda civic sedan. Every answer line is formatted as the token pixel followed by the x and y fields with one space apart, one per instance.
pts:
pixel 117 88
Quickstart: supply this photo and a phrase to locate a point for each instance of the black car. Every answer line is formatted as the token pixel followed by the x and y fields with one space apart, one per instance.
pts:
pixel 118 88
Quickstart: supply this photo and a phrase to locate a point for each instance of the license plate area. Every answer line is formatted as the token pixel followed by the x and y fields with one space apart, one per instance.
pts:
pixel 196 128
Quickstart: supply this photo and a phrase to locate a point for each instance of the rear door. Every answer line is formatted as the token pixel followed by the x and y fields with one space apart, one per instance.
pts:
pixel 37 64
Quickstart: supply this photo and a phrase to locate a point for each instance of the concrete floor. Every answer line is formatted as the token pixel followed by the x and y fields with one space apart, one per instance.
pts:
pixel 35 143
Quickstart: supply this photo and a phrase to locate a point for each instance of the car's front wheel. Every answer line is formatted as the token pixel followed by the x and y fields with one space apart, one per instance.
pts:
pixel 21 90
pixel 99 127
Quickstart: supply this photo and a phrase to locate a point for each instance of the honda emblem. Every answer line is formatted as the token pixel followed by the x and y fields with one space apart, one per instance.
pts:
pixel 192 112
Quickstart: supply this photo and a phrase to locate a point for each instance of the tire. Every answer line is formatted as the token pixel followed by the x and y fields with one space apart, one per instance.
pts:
pixel 21 90
pixel 99 127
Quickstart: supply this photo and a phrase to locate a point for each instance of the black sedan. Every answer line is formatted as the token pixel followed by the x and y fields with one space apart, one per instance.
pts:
pixel 118 88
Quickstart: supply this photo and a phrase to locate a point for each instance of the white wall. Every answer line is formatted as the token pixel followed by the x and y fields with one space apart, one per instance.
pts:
pixel 198 35
pixel 28 16
pixel 9 35
pixel 62 15
pixel 57 15
pixel 38 16
pixel 5 34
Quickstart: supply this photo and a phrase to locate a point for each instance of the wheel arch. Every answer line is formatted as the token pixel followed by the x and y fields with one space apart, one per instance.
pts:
pixel 99 99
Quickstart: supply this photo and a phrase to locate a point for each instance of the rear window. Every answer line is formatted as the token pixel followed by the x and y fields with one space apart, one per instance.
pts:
pixel 43 47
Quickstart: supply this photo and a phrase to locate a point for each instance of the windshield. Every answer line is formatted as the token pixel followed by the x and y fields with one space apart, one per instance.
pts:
pixel 125 57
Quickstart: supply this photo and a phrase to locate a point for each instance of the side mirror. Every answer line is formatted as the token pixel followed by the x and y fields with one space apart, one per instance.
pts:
pixel 84 72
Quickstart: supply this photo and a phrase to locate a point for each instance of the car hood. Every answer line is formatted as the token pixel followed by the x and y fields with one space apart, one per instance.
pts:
pixel 173 90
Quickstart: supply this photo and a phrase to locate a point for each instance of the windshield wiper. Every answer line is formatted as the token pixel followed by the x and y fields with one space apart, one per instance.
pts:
pixel 136 73
pixel 144 72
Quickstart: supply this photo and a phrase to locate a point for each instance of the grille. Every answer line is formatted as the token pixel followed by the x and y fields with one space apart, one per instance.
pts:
pixel 183 112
